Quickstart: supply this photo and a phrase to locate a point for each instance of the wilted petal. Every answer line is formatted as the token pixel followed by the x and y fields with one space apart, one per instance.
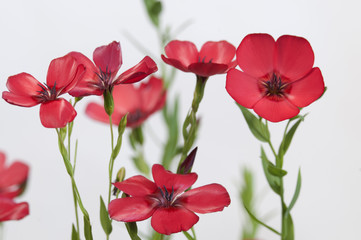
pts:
pixel 108 58
pixel 206 199
pixel 221 52
pixel 131 209
pixel 137 186
pixel 180 54
pixel 275 110
pixel 177 182
pixel 10 210
pixel 144 68
pixel 57 113
pixel 173 219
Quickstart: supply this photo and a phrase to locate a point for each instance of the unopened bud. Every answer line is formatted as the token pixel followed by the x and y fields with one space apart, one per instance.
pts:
pixel 187 164
pixel 108 102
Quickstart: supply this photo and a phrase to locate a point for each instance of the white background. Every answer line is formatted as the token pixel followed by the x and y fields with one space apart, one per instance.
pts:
pixel 326 147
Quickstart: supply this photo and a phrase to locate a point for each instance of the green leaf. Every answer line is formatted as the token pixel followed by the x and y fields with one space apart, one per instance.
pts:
pixel 273 181
pixel 154 8
pixel 140 163
pixel 288 228
pixel 104 218
pixel 276 171
pixel 188 236
pixel 296 193
pixel 257 127
pixel 74 233
pixel 87 229
pixel 288 138
pixel 132 230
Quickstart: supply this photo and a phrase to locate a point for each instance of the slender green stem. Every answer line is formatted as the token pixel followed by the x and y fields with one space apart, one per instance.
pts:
pixel 111 160
pixel 1 231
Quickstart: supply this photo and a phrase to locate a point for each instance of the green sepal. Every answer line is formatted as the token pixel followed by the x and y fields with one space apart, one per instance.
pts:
pixel 121 128
pixel 87 229
pixel 132 230
pixel 74 233
pixel 104 218
pixel 257 127
pixel 108 102
pixel 273 181
pixel 276 171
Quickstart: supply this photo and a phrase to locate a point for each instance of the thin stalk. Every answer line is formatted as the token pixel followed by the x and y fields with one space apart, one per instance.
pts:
pixel 1 231
pixel 111 160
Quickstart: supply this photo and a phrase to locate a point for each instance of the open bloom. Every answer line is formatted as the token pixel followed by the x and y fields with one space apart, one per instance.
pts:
pixel 172 209
pixel 103 75
pixel 277 78
pixel 139 102
pixel 12 178
pixel 26 91
pixel 9 210
pixel 213 58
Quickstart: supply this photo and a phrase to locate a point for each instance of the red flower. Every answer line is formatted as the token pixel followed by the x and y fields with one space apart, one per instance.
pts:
pixel 12 178
pixel 172 209
pixel 139 103
pixel 26 91
pixel 277 77
pixel 214 57
pixel 102 76
pixel 9 210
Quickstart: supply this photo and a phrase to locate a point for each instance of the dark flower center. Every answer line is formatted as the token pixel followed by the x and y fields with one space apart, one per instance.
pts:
pixel 274 86
pixel 167 198
pixel 135 116
pixel 204 60
pixel 47 93
pixel 106 79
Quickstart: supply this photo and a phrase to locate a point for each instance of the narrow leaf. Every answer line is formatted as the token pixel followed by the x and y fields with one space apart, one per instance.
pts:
pixel 132 230
pixel 296 193
pixel 288 138
pixel 276 171
pixel 288 228
pixel 273 181
pixel 74 233
pixel 188 236
pixel 104 218
pixel 87 229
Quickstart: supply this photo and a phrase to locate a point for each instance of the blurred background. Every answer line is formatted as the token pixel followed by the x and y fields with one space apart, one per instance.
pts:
pixel 326 146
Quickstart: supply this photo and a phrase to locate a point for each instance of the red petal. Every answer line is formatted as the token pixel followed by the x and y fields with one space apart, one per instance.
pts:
pixel 127 99
pixel 23 90
pixel 308 89
pixel 275 110
pixel 89 82
pixel 10 210
pixel 207 69
pixel 15 174
pixel 137 186
pixel 206 199
pixel 255 54
pixel 108 58
pixel 57 113
pixel 294 57
pixel 243 88
pixel 221 52
pixel 96 112
pixel 151 93
pixel 138 72
pixel 180 54
pixel 172 220
pixel 177 182
pixel 131 209
pixel 2 161
pixel 64 73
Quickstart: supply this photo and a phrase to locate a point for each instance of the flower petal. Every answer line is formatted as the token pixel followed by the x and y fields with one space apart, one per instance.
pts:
pixel 177 182
pixel 137 186
pixel 108 57
pixel 89 83
pixel 2 161
pixel 308 89
pixel 15 174
pixel 152 93
pixel 57 113
pixel 96 112
pixel 10 210
pixel 173 219
pixel 221 52
pixel 275 110
pixel 64 73
pixel 207 69
pixel 131 209
pixel 22 101
pixel 206 199
pixel 255 54
pixel 294 57
pixel 243 88
pixel 144 68
pixel 180 54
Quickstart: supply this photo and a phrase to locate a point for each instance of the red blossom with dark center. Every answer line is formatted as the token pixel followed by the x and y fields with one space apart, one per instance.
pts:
pixel 102 76
pixel 26 91
pixel 9 210
pixel 12 178
pixel 166 200
pixel 139 102
pixel 213 58
pixel 277 78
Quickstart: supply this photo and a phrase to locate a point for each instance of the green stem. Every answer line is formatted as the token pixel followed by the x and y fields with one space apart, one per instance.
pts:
pixel 1 231
pixel 111 160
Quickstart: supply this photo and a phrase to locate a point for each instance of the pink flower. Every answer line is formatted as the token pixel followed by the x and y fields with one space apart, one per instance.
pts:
pixel 165 200
pixel 26 91
pixel 9 210
pixel 139 102
pixel 213 58
pixel 277 78
pixel 12 177
pixel 103 75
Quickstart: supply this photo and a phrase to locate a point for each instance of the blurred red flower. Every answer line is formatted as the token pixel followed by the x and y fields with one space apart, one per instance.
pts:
pixel 139 102
pixel 9 210
pixel 172 209
pixel 12 178
pixel 277 78
pixel 26 91
pixel 213 58
pixel 102 76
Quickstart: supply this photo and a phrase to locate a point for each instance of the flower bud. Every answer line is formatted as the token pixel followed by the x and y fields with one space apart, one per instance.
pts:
pixel 187 164
pixel 108 102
